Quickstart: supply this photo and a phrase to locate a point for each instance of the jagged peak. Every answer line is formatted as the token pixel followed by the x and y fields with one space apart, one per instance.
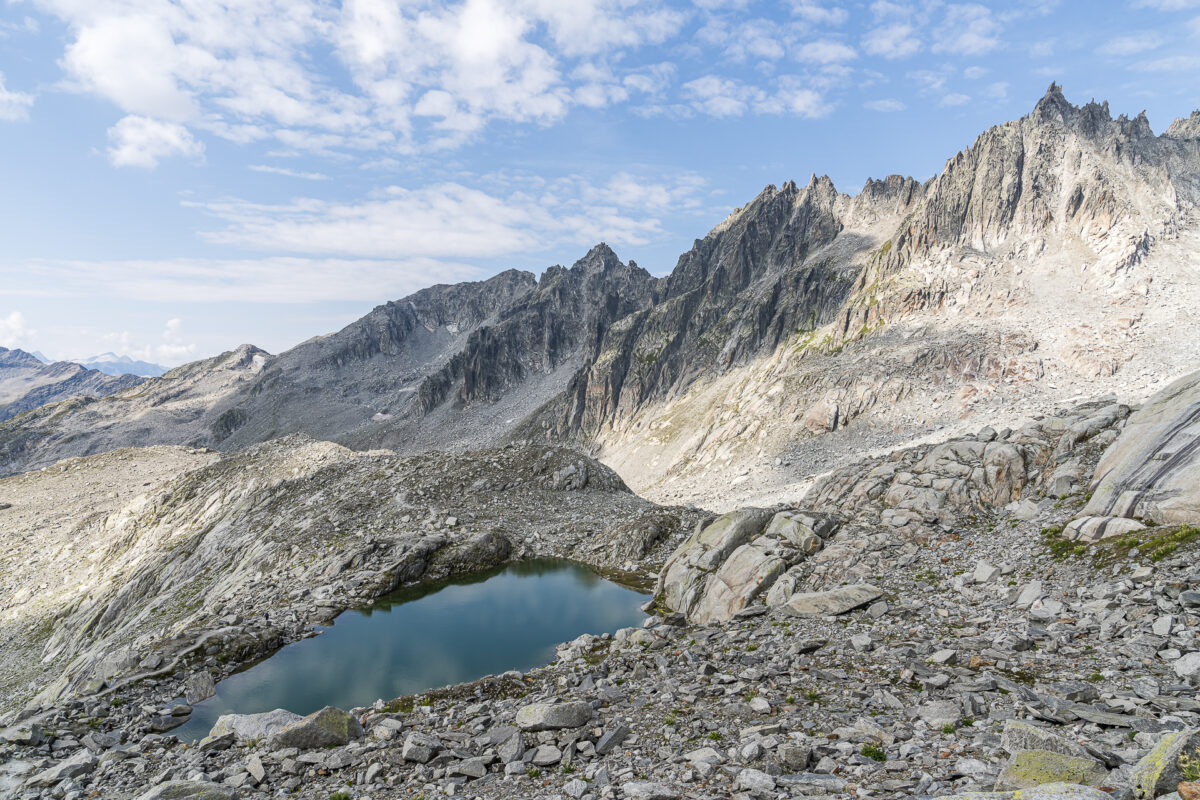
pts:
pixel 1185 127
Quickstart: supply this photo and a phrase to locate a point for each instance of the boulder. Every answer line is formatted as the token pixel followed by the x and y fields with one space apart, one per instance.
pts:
pixel 1188 667
pixel 252 727
pixel 81 763
pixel 1048 791
pixel 329 727
pixel 832 602
pixel 189 790
pixel 1029 768
pixel 199 686
pixel 552 716
pixel 749 571
pixel 1152 471
pixel 420 748
pixel 1019 735
pixel 648 790
pixel 26 734
pixel 1159 771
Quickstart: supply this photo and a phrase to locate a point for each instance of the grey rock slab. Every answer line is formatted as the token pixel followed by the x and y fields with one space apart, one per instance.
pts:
pixel 253 727
pixel 420 748
pixel 1019 735
pixel 1188 667
pixel 189 790
pixel 832 602
pixel 546 755
pixel 648 790
pixel 612 738
pixel 81 763
pixel 939 713
pixel 553 716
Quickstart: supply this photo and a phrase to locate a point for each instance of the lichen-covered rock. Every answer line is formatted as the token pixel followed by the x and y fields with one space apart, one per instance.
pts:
pixel 1159 772
pixel 1029 768
pixel 329 727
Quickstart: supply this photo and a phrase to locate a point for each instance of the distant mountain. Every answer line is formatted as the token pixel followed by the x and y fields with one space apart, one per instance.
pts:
pixel 27 382
pixel 38 355
pixel 1055 257
pixel 113 364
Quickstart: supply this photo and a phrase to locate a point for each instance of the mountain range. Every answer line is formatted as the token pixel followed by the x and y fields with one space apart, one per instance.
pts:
pixel 1053 258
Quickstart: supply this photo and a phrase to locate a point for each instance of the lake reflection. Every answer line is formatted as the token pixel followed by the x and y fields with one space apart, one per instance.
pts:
pixel 425 637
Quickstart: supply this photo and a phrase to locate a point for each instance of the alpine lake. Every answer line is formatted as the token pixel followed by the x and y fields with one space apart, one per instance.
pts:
pixel 424 637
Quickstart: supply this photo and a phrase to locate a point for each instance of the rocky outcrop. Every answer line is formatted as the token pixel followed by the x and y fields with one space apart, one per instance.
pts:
pixel 1152 472
pixel 729 563
pixel 27 383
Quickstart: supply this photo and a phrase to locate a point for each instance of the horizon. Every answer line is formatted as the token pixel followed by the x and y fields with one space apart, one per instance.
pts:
pixel 168 218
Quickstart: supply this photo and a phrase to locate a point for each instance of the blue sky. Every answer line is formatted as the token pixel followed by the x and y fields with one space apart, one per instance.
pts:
pixel 181 177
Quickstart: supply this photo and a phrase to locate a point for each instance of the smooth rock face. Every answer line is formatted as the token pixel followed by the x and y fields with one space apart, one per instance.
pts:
pixel 189 790
pixel 835 601
pixel 1094 529
pixel 1152 471
pixel 328 727
pixel 255 727
pixel 552 716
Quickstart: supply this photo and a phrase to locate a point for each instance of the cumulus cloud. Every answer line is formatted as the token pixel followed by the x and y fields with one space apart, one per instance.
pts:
pixel 14 106
pixel 826 51
pixel 967 30
pixel 423 76
pixel 898 40
pixel 137 141
pixel 14 332
pixel 726 97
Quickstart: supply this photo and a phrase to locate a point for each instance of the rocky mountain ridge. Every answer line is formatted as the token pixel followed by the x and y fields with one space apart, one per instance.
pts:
pixel 28 382
pixel 887 315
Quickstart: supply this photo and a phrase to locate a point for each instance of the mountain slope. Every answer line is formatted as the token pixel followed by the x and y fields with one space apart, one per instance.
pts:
pixel 27 382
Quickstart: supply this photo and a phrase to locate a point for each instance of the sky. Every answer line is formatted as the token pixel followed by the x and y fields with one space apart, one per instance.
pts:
pixel 180 177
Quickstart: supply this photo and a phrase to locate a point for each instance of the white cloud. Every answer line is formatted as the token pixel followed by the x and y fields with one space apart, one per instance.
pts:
pixel 425 76
pixel 885 105
pixel 826 51
pixel 14 106
pixel 140 142
pixel 1171 64
pixel 955 99
pixel 1131 44
pixel 453 221
pixel 14 333
pixel 291 173
pixel 898 40
pixel 974 73
pixel 967 30
pixel 726 97
pixel 997 90
pixel 1194 27
pixel 1168 5
pixel 818 13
